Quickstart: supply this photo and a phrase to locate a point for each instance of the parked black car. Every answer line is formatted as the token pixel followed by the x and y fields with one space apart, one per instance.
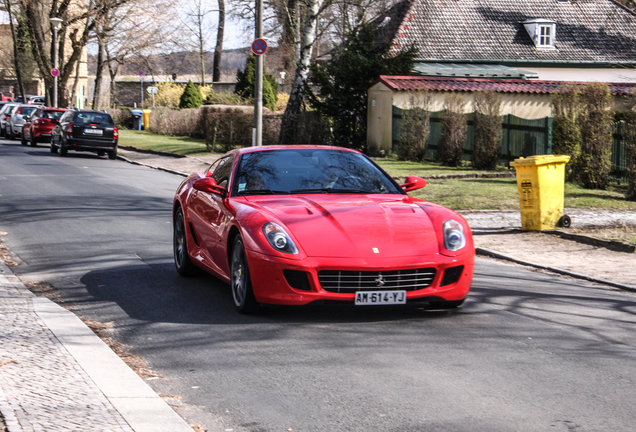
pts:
pixel 85 130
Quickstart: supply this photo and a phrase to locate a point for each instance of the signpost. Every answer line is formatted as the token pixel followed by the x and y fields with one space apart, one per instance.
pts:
pixel 259 47
pixel 141 74
pixel 153 91
pixel 55 72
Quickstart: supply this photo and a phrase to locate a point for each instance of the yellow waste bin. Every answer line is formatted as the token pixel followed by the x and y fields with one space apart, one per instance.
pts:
pixel 540 180
pixel 146 119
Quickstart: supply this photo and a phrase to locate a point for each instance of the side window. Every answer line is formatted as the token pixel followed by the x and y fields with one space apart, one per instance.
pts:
pixel 222 171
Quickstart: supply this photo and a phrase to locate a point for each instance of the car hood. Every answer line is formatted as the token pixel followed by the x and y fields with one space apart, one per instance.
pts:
pixel 361 226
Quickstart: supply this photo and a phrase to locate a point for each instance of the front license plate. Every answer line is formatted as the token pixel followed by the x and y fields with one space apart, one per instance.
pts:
pixel 93 132
pixel 366 298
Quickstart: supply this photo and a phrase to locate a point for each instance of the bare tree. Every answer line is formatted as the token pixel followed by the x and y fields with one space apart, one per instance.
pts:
pixel 16 62
pixel 79 21
pixel 198 27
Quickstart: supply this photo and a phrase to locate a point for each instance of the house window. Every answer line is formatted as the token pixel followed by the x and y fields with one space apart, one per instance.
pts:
pixel 545 36
pixel 542 32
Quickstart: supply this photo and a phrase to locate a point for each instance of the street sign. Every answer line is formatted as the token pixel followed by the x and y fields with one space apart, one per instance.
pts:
pixel 152 90
pixel 141 73
pixel 55 72
pixel 259 46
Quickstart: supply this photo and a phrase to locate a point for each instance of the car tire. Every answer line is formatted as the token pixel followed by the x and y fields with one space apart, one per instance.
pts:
pixel 180 247
pixel 240 280
pixel 112 154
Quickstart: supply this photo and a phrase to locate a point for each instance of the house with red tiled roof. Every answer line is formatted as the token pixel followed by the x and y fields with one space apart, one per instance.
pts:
pixel 522 49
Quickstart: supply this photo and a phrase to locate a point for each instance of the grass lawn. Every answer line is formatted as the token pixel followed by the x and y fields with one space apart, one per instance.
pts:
pixel 458 194
pixel 146 140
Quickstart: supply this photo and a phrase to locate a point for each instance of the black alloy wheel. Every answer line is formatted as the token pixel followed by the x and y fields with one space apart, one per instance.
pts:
pixel 241 282
pixel 180 247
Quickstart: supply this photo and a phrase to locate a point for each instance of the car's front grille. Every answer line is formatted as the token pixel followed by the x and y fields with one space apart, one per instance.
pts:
pixel 352 281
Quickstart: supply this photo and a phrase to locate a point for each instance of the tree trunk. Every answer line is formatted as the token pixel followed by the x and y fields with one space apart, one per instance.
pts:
pixel 218 50
pixel 297 93
pixel 99 74
pixel 16 62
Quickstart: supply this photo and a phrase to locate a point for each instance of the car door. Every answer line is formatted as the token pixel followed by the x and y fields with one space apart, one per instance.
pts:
pixel 208 215
pixel 58 130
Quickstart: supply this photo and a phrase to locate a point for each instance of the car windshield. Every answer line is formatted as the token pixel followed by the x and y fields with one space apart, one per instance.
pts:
pixel 298 171
pixel 89 117
pixel 27 110
pixel 53 115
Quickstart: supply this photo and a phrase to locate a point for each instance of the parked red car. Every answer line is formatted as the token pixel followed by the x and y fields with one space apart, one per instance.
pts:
pixel 39 126
pixel 294 225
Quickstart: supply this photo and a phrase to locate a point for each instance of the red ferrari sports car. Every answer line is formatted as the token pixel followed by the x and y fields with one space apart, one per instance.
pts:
pixel 294 225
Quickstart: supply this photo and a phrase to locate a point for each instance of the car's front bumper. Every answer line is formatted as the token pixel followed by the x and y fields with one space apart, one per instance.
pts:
pixel 272 287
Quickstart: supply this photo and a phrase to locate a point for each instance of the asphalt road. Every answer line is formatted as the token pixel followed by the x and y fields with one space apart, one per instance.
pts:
pixel 527 352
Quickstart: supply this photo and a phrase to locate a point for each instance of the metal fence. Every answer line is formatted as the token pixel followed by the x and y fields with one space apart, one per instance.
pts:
pixel 520 137
pixel 618 158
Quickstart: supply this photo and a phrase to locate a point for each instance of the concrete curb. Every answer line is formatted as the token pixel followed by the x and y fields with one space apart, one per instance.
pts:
pixel 498 255
pixel 154 152
pixel 136 402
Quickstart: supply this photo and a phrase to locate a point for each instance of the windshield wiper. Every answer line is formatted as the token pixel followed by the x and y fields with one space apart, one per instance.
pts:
pixel 263 192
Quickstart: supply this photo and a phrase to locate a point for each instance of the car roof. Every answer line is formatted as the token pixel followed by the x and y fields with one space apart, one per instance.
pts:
pixel 292 147
pixel 50 109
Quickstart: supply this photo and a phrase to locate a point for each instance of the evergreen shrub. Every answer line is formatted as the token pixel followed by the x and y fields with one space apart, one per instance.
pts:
pixel 487 141
pixel 454 131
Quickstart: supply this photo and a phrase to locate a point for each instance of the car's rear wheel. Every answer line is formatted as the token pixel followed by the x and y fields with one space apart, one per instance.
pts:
pixel 112 154
pixel 180 246
pixel 241 283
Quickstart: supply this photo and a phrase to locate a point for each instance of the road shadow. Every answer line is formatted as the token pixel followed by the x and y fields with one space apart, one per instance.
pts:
pixel 157 293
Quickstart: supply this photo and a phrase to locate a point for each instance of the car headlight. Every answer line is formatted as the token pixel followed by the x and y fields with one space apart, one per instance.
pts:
pixel 454 238
pixel 278 238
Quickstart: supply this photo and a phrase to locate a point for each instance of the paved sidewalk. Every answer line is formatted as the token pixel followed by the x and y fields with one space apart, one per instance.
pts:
pixel 57 375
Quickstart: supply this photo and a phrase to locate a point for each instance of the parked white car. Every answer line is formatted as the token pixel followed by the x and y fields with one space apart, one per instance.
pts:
pixel 19 113
pixel 5 113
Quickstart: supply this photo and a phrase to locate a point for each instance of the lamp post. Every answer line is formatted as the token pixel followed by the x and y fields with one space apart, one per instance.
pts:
pixel 56 23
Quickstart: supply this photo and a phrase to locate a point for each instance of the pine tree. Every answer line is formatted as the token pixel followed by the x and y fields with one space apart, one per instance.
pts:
pixel 245 84
pixel 191 96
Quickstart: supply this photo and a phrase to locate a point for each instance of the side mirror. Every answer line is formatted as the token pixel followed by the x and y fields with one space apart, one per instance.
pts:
pixel 209 185
pixel 413 183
